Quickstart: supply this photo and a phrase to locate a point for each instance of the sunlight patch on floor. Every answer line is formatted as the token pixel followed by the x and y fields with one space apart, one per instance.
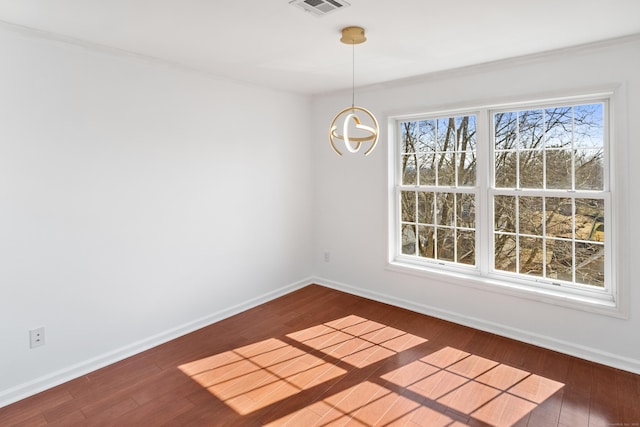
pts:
pixel 481 388
pixel 258 375
pixel 436 389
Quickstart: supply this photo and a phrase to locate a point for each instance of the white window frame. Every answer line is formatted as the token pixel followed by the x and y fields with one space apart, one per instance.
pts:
pixel 610 300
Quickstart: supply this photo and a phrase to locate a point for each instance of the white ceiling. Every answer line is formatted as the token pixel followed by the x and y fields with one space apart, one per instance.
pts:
pixel 274 44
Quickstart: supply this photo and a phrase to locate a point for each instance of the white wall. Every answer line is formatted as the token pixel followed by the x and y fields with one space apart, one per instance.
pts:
pixel 137 201
pixel 351 201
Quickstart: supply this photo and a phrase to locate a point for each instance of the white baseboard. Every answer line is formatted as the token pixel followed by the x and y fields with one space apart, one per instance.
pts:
pixel 572 349
pixel 61 376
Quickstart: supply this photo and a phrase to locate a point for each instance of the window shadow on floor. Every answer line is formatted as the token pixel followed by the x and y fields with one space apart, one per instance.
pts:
pixel 356 371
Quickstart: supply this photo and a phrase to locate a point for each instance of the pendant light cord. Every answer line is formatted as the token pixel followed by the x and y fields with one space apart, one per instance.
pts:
pixel 353 74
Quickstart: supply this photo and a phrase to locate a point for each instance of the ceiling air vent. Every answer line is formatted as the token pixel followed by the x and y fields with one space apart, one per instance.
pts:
pixel 320 7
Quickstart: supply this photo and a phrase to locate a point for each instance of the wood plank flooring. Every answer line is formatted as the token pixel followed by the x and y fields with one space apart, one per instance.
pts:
pixel 319 357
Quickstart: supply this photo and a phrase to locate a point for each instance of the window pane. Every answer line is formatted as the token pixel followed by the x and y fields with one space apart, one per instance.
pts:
pixel 466 242
pixel 408 206
pixel 530 215
pixel 446 244
pixel 505 169
pixel 466 210
pixel 589 169
pixel 425 207
pixel 447 169
pixel 466 150
pixel 559 217
pixel 408 239
pixel 559 259
pixel 590 219
pixel 531 256
pixel 427 138
pixel 505 213
pixel 409 169
pixel 530 126
pixel 505 252
pixel 467 169
pixel 409 136
pixel 589 126
pixel 444 208
pixel 447 134
pixel 426 241
pixel 428 168
pixel 559 127
pixel 590 264
pixel 469 133
pixel 531 169
pixel 558 169
pixel 505 130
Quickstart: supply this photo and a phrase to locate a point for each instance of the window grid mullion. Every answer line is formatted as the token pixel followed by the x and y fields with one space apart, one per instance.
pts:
pixel 573 238
pixel 573 152
pixel 455 226
pixel 544 237
pixel 518 153
pixel 485 178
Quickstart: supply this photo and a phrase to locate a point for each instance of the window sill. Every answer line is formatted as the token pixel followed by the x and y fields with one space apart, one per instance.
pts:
pixel 472 279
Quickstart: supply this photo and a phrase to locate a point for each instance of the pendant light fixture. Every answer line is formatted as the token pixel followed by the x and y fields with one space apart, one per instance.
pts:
pixel 359 127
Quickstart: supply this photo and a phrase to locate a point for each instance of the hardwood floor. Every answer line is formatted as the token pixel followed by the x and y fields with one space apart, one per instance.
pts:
pixel 321 357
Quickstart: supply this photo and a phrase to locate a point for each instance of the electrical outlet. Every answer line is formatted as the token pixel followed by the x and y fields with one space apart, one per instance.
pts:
pixel 327 256
pixel 36 337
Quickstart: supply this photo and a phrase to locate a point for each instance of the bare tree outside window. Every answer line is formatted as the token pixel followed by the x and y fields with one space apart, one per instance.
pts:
pixel 559 232
pixel 512 197
pixel 438 156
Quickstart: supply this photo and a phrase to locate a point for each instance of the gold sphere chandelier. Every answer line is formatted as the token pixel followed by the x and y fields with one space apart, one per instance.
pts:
pixel 359 127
